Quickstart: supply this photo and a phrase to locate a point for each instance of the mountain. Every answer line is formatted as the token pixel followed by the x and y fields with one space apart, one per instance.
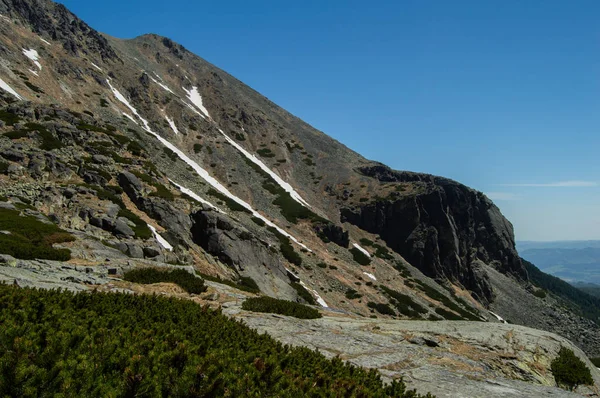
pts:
pixel 571 261
pixel 118 155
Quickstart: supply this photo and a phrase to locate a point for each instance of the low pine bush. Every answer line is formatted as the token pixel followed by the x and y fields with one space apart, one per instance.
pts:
pixel 56 343
pixel 146 276
pixel 28 238
pixel 569 371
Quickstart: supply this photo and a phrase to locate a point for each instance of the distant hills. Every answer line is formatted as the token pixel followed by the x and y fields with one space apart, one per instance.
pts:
pixel 573 261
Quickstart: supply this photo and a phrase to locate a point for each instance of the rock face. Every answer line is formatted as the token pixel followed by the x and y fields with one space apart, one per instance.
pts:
pixel 235 246
pixel 444 229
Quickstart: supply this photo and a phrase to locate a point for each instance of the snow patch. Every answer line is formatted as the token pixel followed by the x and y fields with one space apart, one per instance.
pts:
pixel 287 187
pixel 320 300
pixel 162 241
pixel 370 276
pixel 200 171
pixel 96 66
pixel 34 72
pixel 4 86
pixel 164 86
pixel 122 98
pixel 194 196
pixel 128 116
pixel 362 250
pixel 194 96
pixel 34 56
pixel 498 317
pixel 45 41
pixel 172 124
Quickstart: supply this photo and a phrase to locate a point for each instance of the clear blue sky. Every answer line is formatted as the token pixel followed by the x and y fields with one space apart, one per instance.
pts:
pixel 490 93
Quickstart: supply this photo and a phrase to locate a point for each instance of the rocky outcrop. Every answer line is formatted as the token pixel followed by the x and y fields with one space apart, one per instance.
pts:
pixel 443 228
pixel 56 22
pixel 236 247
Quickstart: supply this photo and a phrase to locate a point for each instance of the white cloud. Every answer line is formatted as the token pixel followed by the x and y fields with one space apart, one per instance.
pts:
pixel 503 196
pixel 563 184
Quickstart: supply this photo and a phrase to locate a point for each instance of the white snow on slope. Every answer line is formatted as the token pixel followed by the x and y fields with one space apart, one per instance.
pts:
pixel 287 187
pixel 162 241
pixel 498 317
pixel 320 300
pixel 164 86
pixel 194 196
pixel 194 96
pixel 361 249
pixel 370 276
pixel 172 124
pixel 34 72
pixel 128 116
pixel 122 98
pixel 34 56
pixel 200 171
pixel 4 86
pixel 45 41
pixel 96 66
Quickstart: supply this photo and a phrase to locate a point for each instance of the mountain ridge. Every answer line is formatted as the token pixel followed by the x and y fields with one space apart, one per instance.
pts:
pixel 121 134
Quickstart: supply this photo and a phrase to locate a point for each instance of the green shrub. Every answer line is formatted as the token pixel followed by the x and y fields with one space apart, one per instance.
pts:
pixel 30 238
pixel 283 307
pixel 141 228
pixel 451 316
pixel 265 153
pixel 360 257
pixel 541 293
pixel 596 362
pixel 405 304
pixel 381 308
pixel 146 276
pixel 465 313
pixel 366 242
pixel 352 294
pixel 135 148
pixel 303 293
pixel 9 118
pixel 162 192
pixel 232 204
pixel 3 167
pixel 258 221
pixel 569 371
pixel 197 148
pixel 119 345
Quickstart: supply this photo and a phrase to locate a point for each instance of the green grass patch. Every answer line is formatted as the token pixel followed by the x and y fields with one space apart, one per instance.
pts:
pixel 146 276
pixel 30 238
pixel 282 307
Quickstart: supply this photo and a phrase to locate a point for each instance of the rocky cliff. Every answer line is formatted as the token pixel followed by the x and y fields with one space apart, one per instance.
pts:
pixel 443 228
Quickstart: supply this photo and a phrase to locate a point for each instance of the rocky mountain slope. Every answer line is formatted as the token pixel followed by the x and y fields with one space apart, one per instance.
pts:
pixel 146 154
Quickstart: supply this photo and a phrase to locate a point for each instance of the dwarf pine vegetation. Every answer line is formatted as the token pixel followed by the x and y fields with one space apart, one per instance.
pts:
pixel 56 343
